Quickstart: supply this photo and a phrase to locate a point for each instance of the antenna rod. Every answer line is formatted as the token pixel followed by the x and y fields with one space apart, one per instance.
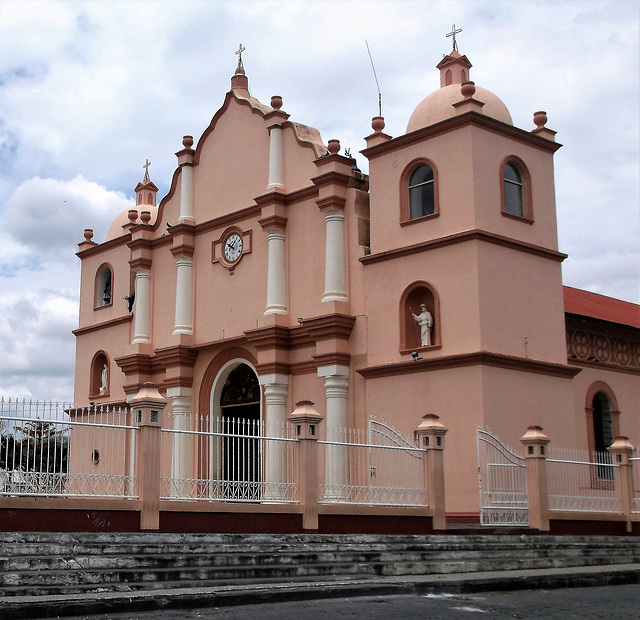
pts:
pixel 376 78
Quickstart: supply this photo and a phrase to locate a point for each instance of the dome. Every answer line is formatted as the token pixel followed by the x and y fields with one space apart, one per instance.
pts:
pixel 116 230
pixel 438 106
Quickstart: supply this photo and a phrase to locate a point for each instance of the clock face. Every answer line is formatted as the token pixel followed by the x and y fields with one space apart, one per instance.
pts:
pixel 233 247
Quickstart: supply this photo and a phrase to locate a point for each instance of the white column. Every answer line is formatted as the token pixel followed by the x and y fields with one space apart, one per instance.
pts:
pixel 276 279
pixel 275 395
pixel 336 387
pixel 186 193
pixel 334 283
pixel 180 462
pixel 184 266
pixel 276 163
pixel 143 288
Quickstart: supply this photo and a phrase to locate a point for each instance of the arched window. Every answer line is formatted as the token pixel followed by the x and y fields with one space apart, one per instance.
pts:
pixel 103 292
pixel 513 202
pixel 419 318
pixel 140 198
pixel 149 198
pixel 603 433
pixel 422 197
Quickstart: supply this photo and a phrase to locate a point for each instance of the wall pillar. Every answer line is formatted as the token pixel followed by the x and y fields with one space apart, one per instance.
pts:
pixel 276 158
pixel 336 386
pixel 184 280
pixel 275 395
pixel 334 279
pixel 142 307
pixel 430 435
pixel 306 422
pixel 276 272
pixel 185 162
pixel 535 442
pixel 181 453
pixel 621 449
pixel 147 406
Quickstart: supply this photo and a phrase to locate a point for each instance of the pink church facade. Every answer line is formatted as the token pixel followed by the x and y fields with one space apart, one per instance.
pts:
pixel 274 271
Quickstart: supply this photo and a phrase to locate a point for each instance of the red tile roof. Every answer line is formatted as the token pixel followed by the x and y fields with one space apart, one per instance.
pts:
pixel 597 306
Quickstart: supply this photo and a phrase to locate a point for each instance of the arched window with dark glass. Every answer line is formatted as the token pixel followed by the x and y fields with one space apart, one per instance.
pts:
pixel 603 432
pixel 513 194
pixel 421 192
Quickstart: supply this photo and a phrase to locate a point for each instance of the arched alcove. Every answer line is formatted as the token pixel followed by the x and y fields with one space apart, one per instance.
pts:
pixel 103 295
pixel 100 377
pixel 419 313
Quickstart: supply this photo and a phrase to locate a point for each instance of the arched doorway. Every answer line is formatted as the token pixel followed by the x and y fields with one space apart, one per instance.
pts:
pixel 236 414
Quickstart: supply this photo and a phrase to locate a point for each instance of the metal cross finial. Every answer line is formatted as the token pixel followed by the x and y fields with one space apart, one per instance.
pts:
pixel 453 34
pixel 239 55
pixel 146 170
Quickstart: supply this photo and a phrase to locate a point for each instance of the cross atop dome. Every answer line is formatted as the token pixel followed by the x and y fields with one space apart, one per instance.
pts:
pixel 453 34
pixel 147 163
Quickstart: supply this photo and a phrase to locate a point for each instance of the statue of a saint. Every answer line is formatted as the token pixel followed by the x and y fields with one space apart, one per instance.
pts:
pixel 425 320
pixel 104 380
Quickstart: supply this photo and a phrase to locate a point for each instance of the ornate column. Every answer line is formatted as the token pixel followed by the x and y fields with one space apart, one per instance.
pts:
pixel 334 281
pixel 181 455
pixel 275 395
pixel 185 162
pixel 141 330
pixel 276 159
pixel 276 280
pixel 336 387
pixel 184 266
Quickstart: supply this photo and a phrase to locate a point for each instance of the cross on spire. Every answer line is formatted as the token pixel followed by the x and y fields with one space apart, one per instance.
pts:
pixel 146 170
pixel 239 55
pixel 453 34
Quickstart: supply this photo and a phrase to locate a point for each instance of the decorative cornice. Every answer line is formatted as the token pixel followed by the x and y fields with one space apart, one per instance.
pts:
pixel 178 355
pixel 274 197
pixel 228 219
pixel 265 338
pixel 180 381
pixel 329 326
pixel 273 221
pixel 268 368
pixel 303 368
pixel 140 263
pixel 463 237
pixel 107 245
pixel 140 243
pixel 456 122
pixel 332 177
pixel 477 358
pixel 110 323
pixel 331 202
pixel 328 359
pixel 183 249
pixel 139 363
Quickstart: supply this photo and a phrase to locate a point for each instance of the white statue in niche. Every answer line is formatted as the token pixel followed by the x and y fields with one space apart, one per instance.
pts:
pixel 425 320
pixel 104 380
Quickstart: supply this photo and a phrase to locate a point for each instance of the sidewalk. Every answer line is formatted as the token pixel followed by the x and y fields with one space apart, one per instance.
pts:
pixel 188 598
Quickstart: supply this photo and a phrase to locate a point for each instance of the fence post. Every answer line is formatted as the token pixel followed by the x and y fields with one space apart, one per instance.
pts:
pixel 306 422
pixel 622 450
pixel 535 442
pixel 148 405
pixel 430 435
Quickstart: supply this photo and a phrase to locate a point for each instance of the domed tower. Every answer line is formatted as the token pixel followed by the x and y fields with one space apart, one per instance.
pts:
pixel 463 226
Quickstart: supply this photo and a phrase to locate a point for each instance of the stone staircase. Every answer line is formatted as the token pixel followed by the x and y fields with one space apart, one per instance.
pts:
pixel 37 564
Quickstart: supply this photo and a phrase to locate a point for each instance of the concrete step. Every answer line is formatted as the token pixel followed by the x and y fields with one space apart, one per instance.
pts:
pixel 32 564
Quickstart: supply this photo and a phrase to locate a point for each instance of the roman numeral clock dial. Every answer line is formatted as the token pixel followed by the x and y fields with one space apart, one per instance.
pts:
pixel 232 248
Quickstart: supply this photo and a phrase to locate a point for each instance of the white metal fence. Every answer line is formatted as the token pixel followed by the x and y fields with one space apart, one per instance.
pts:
pixel 51 448
pixel 229 459
pixel 377 466
pixel 581 481
pixel 635 468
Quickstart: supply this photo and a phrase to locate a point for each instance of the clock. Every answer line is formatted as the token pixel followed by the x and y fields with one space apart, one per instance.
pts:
pixel 232 247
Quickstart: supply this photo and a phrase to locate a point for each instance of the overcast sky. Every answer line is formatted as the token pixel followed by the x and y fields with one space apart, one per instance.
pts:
pixel 90 89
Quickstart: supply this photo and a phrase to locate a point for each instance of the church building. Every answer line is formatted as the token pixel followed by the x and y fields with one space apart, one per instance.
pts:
pixel 275 271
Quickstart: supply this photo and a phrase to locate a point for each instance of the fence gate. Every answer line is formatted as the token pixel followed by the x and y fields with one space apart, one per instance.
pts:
pixel 502 483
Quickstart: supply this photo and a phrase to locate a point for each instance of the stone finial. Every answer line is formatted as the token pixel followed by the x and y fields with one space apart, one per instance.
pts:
pixel 187 141
pixel 540 119
pixel 468 89
pixel 145 216
pixel 276 102
pixel 133 216
pixel 377 124
pixel 333 146
pixel 88 234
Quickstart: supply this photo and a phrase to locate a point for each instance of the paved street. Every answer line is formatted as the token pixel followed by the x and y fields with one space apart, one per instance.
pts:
pixel 619 602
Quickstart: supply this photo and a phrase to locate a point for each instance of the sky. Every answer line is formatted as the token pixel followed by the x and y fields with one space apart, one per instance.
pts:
pixel 90 89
